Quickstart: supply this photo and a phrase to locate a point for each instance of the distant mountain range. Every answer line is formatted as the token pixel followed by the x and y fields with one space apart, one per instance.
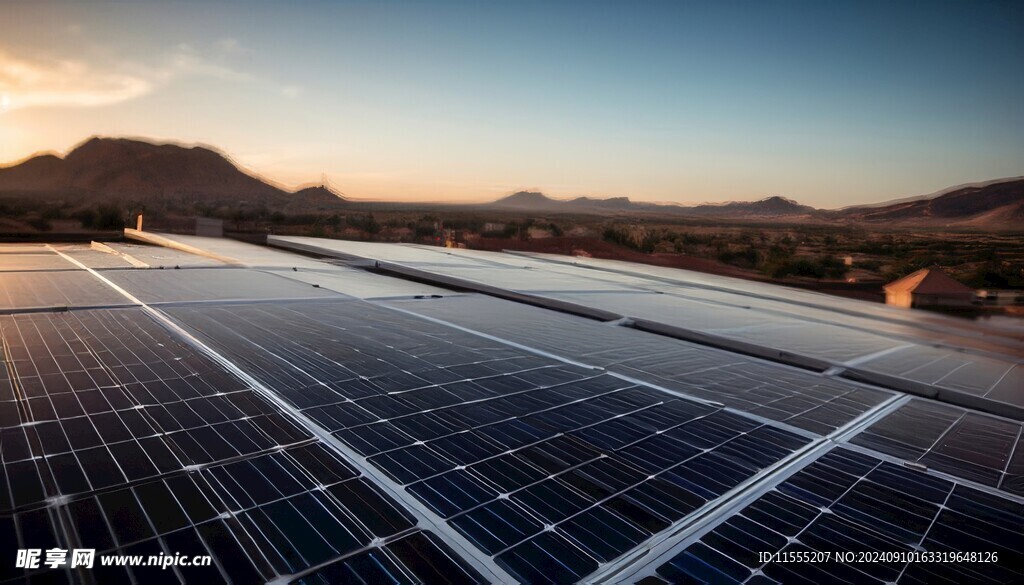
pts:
pixel 158 175
pixel 998 203
pixel 774 206
pixel 172 176
pixel 993 203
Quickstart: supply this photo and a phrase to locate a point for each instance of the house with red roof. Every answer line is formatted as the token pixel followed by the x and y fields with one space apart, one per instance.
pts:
pixel 928 287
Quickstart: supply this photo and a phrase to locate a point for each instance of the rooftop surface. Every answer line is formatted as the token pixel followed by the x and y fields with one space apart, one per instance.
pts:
pixel 326 411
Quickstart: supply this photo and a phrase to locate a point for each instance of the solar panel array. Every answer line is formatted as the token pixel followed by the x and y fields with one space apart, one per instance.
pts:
pixel 296 433
pixel 803 328
pixel 800 398
pixel 522 454
pixel 118 436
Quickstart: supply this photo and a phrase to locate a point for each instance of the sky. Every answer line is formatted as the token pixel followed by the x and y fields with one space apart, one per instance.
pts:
pixel 828 103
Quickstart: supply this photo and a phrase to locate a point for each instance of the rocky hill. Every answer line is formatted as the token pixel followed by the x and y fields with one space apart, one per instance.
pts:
pixel 153 175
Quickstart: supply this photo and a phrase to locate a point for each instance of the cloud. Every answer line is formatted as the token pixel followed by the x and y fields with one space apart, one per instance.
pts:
pixel 231 46
pixel 27 82
pixel 184 60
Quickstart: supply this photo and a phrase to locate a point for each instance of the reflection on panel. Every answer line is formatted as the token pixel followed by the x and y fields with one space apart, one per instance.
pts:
pixel 202 284
pixel 66 288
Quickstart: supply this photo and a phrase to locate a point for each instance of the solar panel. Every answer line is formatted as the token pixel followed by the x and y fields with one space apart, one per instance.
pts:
pixel 803 399
pixel 101 256
pixel 204 284
pixel 969 445
pixel 484 434
pixel 117 436
pixel 65 288
pixel 160 257
pixel 25 260
pixel 995 378
pixel 883 514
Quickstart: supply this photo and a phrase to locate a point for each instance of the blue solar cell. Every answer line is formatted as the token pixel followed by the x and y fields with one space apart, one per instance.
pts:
pixel 547 558
pixel 452 492
pixel 497 525
pixel 603 534
pixel 551 500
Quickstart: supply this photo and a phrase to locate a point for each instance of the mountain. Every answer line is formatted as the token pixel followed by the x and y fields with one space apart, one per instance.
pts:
pixel 154 175
pixel 610 204
pixel 774 206
pixel 994 203
pixel 990 204
pixel 934 195
pixel 770 207
pixel 529 200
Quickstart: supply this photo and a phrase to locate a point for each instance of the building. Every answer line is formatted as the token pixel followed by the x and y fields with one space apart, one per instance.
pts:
pixel 928 287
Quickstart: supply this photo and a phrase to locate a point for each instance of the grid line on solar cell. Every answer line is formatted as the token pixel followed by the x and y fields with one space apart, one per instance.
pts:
pixel 847 501
pixel 419 558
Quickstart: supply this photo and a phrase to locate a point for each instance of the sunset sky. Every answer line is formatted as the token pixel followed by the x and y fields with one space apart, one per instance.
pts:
pixel 826 103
